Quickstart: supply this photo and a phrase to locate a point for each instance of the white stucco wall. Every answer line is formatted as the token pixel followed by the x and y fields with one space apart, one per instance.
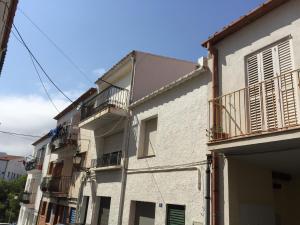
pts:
pixel 274 26
pixel 181 139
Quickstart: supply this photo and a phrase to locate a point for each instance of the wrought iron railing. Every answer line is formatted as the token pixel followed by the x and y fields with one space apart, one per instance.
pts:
pixel 112 96
pixel 267 106
pixel 108 159
pixel 27 198
pixel 56 184
pixel 34 164
pixel 63 135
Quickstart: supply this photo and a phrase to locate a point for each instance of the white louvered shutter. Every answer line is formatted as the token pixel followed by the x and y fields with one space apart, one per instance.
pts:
pixel 254 93
pixel 270 94
pixel 272 103
pixel 287 84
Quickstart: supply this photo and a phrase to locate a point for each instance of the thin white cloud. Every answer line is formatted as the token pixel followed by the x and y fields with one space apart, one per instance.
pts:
pixel 29 114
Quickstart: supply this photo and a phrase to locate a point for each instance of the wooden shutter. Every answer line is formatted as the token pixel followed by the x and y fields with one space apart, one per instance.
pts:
pixel 287 84
pixel 269 92
pixel 176 215
pixel 254 92
pixel 272 103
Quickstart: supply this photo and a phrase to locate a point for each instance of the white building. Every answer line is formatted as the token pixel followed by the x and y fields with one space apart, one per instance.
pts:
pixel 11 167
pixel 31 198
pixel 115 193
pixel 254 123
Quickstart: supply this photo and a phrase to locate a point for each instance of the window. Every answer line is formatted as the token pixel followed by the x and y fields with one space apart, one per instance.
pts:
pixel 271 88
pixel 175 214
pixel 44 206
pixel 50 169
pixel 8 174
pixel 148 137
pixel 104 210
pixel 49 210
pixel 144 213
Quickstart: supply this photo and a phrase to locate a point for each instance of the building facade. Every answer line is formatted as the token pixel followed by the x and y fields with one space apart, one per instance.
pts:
pixel 31 197
pixel 11 167
pixel 254 123
pixel 107 119
pixel 61 178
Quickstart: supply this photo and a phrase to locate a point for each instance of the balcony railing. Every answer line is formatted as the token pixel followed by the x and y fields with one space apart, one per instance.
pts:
pixel 108 159
pixel 63 135
pixel 112 96
pixel 60 185
pixel 269 106
pixel 27 198
pixel 34 164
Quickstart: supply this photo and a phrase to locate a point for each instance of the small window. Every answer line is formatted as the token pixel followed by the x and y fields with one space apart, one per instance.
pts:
pixel 50 169
pixel 175 214
pixel 8 174
pixel 48 216
pixel 148 137
pixel 44 206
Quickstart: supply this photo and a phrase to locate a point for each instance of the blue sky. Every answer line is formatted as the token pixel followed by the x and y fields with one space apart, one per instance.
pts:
pixel 96 34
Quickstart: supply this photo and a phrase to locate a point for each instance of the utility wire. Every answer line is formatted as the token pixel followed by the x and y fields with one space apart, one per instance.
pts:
pixel 62 52
pixel 19 134
pixel 39 76
pixel 38 63
pixel 41 81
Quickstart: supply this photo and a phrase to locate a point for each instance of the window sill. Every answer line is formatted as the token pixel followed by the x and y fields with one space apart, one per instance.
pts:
pixel 145 157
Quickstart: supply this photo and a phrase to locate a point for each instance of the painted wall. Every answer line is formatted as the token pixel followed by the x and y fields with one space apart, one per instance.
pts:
pixel 181 139
pixel 274 26
pixel 153 72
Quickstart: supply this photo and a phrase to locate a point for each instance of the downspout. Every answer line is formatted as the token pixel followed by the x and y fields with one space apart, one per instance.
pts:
pixel 215 159
pixel 207 192
pixel 126 145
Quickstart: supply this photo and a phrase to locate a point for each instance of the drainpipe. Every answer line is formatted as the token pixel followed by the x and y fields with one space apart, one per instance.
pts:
pixel 215 159
pixel 207 191
pixel 126 144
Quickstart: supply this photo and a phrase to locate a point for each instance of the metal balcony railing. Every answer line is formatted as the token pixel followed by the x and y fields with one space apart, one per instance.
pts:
pixel 34 164
pixel 28 198
pixel 59 185
pixel 62 136
pixel 268 106
pixel 108 159
pixel 112 96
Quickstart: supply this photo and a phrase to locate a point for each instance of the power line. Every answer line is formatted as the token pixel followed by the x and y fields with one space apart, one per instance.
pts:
pixel 19 134
pixel 41 81
pixel 68 58
pixel 38 63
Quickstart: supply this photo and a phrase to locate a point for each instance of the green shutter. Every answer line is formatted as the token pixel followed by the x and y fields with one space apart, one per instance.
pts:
pixel 176 215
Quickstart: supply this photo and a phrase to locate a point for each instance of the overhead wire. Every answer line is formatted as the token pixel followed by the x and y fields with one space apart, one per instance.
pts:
pixel 39 64
pixel 59 49
pixel 19 134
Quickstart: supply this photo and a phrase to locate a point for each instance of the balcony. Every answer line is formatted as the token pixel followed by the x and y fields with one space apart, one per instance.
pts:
pixel 58 186
pixel 62 136
pixel 27 198
pixel 107 161
pixel 34 164
pixel 106 106
pixel 266 108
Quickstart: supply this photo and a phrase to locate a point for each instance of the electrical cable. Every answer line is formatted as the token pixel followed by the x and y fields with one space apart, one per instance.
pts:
pixel 59 49
pixel 19 134
pixel 38 63
pixel 41 81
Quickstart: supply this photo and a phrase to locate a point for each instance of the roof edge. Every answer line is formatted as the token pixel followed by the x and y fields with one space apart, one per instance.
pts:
pixel 243 21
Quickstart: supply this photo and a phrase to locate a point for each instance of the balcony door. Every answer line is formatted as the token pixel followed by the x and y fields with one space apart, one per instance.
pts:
pixel 104 211
pixel 271 88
